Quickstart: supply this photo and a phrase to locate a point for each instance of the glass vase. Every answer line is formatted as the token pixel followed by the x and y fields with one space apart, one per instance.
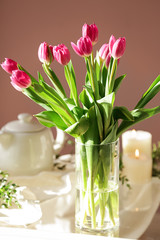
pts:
pixel 97 187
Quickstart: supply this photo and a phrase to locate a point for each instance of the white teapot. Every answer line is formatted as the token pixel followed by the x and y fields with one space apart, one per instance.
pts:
pixel 27 147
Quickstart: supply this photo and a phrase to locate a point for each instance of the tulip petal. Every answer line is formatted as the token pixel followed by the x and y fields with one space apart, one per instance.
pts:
pixel 119 48
pixel 20 79
pixel 61 54
pixel 90 31
pixel 111 43
pixel 9 65
pixel 104 51
pixel 76 49
pixel 16 87
pixel 45 53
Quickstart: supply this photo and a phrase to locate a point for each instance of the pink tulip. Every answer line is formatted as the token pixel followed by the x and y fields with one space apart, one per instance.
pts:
pixel 90 31
pixel 83 47
pixel 103 51
pixel 117 47
pixel 20 79
pixel 108 58
pixel 9 65
pixel 45 53
pixel 61 54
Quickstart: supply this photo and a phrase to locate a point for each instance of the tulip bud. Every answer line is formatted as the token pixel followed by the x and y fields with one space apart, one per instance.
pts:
pixel 103 52
pixel 117 47
pixel 83 47
pixel 45 53
pixel 61 54
pixel 20 79
pixel 90 31
pixel 9 65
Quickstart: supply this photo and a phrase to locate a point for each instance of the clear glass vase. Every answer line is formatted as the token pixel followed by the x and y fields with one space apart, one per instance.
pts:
pixel 97 187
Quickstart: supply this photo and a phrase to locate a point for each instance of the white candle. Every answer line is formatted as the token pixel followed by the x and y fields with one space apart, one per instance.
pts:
pixel 137 168
pixel 132 140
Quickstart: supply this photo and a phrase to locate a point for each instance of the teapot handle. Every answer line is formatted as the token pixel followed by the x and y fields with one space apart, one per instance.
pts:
pixel 60 141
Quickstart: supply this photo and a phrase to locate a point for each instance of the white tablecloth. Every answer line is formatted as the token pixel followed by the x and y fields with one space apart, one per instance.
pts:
pixel 51 198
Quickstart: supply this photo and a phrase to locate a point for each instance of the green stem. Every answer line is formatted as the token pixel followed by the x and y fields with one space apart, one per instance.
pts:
pixel 92 204
pixel 110 81
pixel 101 188
pixel 93 82
pixel 92 60
pixel 54 81
pixel 102 207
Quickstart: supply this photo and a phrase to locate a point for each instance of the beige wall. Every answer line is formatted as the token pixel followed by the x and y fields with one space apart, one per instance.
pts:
pixel 25 24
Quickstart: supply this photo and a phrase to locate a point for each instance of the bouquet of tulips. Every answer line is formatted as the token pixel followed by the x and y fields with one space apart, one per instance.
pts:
pixel 91 116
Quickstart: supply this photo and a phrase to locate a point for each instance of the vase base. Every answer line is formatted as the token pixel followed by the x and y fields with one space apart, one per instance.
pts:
pixel 110 232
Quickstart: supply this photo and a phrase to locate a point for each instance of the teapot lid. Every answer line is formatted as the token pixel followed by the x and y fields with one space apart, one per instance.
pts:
pixel 25 123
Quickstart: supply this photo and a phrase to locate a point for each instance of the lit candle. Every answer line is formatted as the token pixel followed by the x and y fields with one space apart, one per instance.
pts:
pixel 132 140
pixel 137 156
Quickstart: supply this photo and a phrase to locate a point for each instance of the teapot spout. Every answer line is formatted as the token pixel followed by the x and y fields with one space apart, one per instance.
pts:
pixel 5 139
pixel 60 141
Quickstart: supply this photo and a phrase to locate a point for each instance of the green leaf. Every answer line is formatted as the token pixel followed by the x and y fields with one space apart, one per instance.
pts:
pixel 55 101
pixel 122 113
pixel 70 103
pixel 49 93
pixel 71 80
pixel 89 91
pixel 40 78
pixel 111 137
pixel 150 93
pixel 78 128
pixel 139 115
pixel 63 113
pixel 106 112
pixel 51 119
pixel 92 134
pixel 104 76
pixel 117 82
pixel 31 93
pixel 54 80
pixel 78 112
pixel 99 121
pixel 101 89
pixel 85 99
pixel 110 98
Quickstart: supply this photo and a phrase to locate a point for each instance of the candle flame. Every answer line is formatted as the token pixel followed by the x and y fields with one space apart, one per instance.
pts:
pixel 137 154
pixel 133 132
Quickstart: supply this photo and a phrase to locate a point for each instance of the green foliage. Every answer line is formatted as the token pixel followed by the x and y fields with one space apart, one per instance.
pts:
pixel 150 93
pixel 156 160
pixel 51 119
pixel 138 115
pixel 8 192
pixel 98 96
